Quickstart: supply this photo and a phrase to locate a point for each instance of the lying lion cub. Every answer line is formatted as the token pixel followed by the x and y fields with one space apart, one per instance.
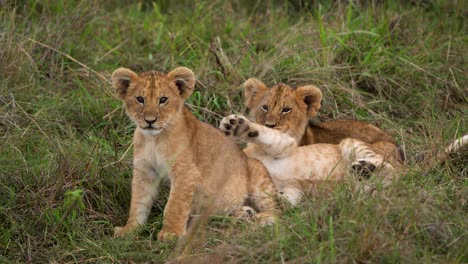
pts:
pixel 281 107
pixel 296 154
pixel 299 156
pixel 297 169
pixel 207 171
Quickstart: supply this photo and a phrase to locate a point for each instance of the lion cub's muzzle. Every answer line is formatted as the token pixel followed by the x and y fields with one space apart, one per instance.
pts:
pixel 150 121
pixel 150 125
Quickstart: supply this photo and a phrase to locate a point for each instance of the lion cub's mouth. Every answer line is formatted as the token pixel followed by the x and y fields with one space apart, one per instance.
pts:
pixel 151 130
pixel 150 127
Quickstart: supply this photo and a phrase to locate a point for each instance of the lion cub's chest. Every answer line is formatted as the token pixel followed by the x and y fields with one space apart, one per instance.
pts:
pixel 155 155
pixel 154 159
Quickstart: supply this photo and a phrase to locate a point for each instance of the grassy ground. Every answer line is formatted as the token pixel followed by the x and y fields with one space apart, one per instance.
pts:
pixel 65 170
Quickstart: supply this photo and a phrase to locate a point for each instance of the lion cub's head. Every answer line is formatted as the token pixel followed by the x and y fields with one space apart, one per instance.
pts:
pixel 153 98
pixel 282 107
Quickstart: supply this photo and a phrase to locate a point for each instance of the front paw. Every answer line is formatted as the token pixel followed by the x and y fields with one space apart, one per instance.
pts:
pixel 237 126
pixel 167 236
pixel 120 231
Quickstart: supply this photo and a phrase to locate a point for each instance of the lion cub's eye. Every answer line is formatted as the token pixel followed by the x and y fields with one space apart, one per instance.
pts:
pixel 265 108
pixel 162 100
pixel 140 99
pixel 286 110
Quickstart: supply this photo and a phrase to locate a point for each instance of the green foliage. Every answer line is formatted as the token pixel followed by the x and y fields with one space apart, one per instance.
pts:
pixel 65 156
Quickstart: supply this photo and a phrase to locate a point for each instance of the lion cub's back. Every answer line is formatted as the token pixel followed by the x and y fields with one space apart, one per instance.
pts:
pixel 223 166
pixel 218 152
pixel 332 132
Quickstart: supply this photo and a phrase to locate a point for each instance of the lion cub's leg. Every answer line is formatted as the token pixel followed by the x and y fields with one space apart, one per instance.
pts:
pixel 364 160
pixel 273 142
pixel 145 184
pixel 184 175
pixel 263 192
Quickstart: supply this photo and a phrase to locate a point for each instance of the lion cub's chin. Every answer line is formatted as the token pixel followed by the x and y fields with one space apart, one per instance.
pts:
pixel 151 132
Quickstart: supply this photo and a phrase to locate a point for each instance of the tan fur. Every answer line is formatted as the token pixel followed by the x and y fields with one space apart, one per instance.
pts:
pixel 207 170
pixel 299 155
pixel 303 108
pixel 297 169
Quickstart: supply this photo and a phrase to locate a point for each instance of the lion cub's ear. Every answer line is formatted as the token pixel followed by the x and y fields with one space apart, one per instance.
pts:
pixel 184 79
pixel 311 96
pixel 254 90
pixel 121 79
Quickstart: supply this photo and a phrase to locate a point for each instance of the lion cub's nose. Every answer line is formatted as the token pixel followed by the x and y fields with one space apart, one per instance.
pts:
pixel 150 120
pixel 270 125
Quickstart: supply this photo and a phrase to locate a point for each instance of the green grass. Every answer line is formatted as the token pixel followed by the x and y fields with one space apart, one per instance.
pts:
pixel 64 167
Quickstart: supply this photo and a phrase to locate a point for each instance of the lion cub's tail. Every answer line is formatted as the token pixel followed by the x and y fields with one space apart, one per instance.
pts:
pixel 456 146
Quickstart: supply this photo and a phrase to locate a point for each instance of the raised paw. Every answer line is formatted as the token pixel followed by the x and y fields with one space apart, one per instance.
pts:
pixel 237 126
pixel 362 169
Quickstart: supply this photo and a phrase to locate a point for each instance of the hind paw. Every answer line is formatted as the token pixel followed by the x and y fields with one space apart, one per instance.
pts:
pixel 244 212
pixel 362 169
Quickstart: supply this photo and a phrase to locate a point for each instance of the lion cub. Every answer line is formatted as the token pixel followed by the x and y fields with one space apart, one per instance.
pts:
pixel 279 107
pixel 297 169
pixel 207 170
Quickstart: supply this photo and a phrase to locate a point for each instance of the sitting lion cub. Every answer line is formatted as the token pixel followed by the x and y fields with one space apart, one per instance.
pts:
pixel 205 168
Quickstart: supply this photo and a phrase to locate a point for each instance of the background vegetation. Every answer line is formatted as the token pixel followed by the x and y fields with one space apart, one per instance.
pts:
pixel 65 167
